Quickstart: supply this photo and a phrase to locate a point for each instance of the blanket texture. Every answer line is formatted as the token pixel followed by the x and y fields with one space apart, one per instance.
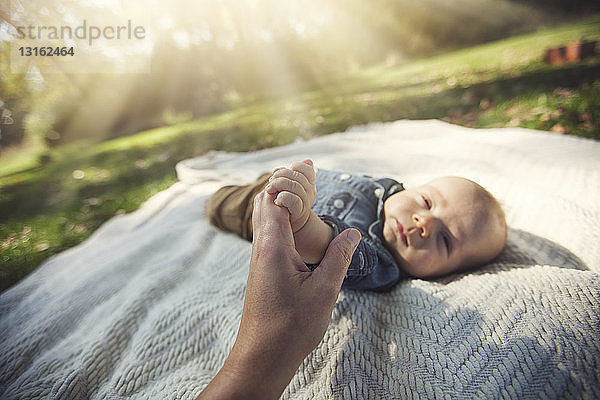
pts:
pixel 149 306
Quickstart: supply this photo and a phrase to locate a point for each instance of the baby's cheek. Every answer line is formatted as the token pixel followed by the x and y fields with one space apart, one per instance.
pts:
pixel 388 236
pixel 427 259
pixel 424 262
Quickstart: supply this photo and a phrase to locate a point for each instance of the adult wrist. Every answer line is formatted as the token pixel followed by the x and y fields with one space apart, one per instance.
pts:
pixel 245 375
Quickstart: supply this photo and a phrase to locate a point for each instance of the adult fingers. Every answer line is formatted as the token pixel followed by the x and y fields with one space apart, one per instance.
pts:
pixel 270 222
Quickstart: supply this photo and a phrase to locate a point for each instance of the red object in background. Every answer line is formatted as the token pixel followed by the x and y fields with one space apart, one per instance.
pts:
pixel 555 55
pixel 576 51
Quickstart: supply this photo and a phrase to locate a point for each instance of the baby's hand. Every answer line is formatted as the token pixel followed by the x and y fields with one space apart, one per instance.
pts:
pixel 296 191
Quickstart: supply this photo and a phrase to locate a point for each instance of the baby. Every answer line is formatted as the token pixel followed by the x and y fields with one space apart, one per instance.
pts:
pixel 447 225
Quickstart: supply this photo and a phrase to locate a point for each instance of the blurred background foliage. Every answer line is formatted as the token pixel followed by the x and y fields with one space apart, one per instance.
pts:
pixel 208 56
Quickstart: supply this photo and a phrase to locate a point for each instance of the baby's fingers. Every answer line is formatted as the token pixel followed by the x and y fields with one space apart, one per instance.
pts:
pixel 290 201
pixel 306 169
pixel 283 183
pixel 286 173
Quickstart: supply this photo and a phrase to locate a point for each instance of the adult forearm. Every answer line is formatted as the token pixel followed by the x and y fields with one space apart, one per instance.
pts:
pixel 232 383
pixel 262 369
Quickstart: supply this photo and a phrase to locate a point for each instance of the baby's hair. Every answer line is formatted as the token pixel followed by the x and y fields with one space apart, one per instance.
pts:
pixel 496 212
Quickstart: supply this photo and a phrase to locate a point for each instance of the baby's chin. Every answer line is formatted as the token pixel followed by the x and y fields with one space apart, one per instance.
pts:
pixel 416 271
pixel 391 246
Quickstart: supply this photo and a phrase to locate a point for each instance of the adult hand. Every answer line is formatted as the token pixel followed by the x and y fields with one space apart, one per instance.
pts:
pixel 286 310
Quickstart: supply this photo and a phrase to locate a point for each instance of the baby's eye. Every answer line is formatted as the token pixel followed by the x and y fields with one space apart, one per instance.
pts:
pixel 427 202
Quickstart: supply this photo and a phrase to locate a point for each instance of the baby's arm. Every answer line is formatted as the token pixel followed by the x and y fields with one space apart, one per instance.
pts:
pixel 296 191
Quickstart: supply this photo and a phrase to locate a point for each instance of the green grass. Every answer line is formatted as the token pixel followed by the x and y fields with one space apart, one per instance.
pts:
pixel 51 200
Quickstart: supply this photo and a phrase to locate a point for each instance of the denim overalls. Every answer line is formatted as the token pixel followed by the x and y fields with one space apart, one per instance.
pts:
pixel 345 200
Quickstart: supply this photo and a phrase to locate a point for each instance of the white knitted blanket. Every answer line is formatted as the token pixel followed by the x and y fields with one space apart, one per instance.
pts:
pixel 149 306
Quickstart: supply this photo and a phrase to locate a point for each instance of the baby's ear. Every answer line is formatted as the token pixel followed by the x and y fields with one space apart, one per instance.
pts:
pixel 309 162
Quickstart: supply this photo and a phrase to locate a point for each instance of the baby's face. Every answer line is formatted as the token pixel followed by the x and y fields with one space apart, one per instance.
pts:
pixel 442 226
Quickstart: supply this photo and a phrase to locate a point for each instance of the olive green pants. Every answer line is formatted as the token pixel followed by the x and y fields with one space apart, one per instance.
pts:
pixel 230 207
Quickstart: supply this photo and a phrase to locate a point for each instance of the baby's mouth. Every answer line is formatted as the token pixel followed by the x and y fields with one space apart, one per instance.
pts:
pixel 400 230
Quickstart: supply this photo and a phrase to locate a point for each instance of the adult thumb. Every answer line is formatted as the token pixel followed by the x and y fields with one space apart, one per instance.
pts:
pixel 337 257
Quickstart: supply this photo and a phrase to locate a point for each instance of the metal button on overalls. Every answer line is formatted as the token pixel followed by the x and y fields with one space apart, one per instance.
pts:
pixel 361 258
pixel 339 203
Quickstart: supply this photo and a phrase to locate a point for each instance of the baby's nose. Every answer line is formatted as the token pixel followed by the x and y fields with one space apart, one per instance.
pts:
pixel 423 223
